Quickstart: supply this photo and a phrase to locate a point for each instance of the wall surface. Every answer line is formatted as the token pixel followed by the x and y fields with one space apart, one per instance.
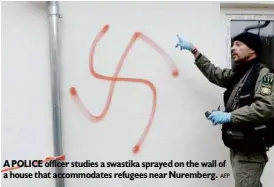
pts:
pixel 26 130
pixel 123 108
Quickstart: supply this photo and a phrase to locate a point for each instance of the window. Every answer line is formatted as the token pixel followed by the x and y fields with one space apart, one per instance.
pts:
pixel 263 25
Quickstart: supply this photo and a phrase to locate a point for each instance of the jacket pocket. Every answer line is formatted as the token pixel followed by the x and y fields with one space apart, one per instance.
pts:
pixel 246 98
pixel 241 138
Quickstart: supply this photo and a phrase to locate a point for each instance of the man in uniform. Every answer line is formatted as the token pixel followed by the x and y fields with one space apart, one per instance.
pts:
pixel 249 103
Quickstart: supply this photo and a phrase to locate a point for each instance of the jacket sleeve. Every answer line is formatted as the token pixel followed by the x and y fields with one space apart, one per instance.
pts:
pixel 262 109
pixel 215 75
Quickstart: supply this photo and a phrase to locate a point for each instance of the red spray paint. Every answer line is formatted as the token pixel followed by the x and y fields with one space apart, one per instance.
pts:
pixel 115 78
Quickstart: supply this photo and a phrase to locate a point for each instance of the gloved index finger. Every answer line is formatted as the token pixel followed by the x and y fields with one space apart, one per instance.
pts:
pixel 210 117
pixel 179 38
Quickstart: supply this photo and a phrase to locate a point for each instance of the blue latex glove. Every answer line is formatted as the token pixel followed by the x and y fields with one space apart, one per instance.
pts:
pixel 183 44
pixel 219 117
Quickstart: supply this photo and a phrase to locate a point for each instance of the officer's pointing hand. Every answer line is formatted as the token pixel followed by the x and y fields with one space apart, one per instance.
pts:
pixel 219 117
pixel 183 44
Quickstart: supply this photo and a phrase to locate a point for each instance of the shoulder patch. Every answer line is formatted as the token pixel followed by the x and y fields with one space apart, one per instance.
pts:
pixel 267 84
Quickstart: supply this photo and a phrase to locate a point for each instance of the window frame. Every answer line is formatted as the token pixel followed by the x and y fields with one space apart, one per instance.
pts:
pixel 242 14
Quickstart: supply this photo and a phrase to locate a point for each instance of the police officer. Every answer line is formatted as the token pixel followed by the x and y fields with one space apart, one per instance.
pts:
pixel 249 103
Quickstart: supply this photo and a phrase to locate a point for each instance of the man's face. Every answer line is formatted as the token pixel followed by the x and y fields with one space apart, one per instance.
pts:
pixel 240 52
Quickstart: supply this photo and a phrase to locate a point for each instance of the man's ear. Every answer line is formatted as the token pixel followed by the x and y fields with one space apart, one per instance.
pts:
pixel 251 51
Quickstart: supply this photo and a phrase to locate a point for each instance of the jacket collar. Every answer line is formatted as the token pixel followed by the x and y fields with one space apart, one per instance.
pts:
pixel 241 69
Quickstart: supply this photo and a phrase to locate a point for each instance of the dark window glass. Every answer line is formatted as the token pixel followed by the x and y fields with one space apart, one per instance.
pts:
pixel 265 29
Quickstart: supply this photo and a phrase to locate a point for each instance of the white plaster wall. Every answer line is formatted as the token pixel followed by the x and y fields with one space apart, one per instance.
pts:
pixel 179 132
pixel 26 129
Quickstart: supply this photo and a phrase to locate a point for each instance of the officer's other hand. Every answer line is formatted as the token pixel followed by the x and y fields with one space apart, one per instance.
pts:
pixel 183 44
pixel 219 117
